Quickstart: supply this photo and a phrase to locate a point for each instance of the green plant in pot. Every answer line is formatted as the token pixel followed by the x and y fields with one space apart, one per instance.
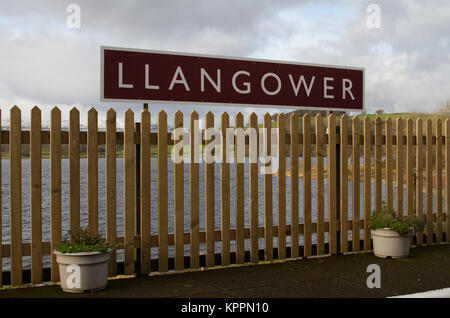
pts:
pixel 83 262
pixel 391 232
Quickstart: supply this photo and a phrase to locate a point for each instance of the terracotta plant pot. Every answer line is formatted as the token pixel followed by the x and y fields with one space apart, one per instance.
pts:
pixel 80 272
pixel 389 243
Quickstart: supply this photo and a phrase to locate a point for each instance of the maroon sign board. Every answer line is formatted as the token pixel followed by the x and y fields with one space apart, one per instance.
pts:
pixel 130 75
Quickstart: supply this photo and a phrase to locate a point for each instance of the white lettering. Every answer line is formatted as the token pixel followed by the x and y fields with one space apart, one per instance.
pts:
pixel 296 88
pixel 346 88
pixel 147 79
pixel 326 87
pixel 121 84
pixel 263 86
pixel 246 84
pixel 182 80
pixel 216 84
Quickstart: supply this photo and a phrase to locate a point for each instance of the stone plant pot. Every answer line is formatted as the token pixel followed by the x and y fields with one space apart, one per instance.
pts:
pixel 389 243
pixel 80 272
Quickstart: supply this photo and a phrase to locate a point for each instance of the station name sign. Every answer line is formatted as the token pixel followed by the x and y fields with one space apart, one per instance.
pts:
pixel 130 75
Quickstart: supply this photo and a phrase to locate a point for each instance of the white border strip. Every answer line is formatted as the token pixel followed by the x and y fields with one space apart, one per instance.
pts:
pixel 102 66
pixel 438 293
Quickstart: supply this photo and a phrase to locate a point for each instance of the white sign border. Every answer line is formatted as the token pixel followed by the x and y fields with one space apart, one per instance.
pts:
pixel 102 66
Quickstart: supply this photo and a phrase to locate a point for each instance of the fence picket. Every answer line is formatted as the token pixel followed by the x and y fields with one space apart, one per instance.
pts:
pixel 36 196
pixel 429 182
pixel 409 167
pixel 355 185
pixel 332 185
pixel 225 191
pixel 145 195
pixel 399 166
pixel 111 222
pixel 163 221
pixel 253 185
pixel 281 186
pixel 129 166
pixel 1 211
pixel 268 213
pixel 307 185
pixel 378 163
pixel 209 197
pixel 419 174
pixel 389 167
pixel 239 202
pixel 294 146
pixel 439 235
pixel 447 179
pixel 178 170
pixel 320 186
pixel 193 189
pixel 74 172
pixel 344 184
pixel 92 171
pixel 367 182
pixel 55 188
pixel 15 153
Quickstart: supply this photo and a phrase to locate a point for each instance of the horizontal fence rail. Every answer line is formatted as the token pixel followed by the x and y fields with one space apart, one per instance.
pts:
pixel 300 210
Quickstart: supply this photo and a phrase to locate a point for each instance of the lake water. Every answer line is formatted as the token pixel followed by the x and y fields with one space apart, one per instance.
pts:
pixel 154 199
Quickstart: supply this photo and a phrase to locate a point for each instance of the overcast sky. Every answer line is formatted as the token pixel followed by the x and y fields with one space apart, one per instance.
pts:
pixel 46 63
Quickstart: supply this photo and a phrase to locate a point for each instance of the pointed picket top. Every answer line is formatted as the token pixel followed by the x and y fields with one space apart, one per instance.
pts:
pixel 409 122
pixel 306 117
pixel 162 114
pixel 129 112
pixel 318 116
pixel 178 119
pixel 209 120
pixel 239 120
pixel 388 120
pixel 145 114
pixel 399 121
pixel 15 110
pixel 267 120
pixel 224 116
pixel 344 117
pixel 224 120
pixel 194 113
pixel 280 116
pixel 366 120
pixel 129 120
pixel 253 120
pixel 294 116
pixel 55 110
pixel 110 112
pixel 74 110
pixel 35 109
pixel 162 121
pixel 419 121
pixel 92 111
pixel 378 120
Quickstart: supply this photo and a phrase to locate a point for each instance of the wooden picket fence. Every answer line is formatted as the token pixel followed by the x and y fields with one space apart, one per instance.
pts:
pixel 376 137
